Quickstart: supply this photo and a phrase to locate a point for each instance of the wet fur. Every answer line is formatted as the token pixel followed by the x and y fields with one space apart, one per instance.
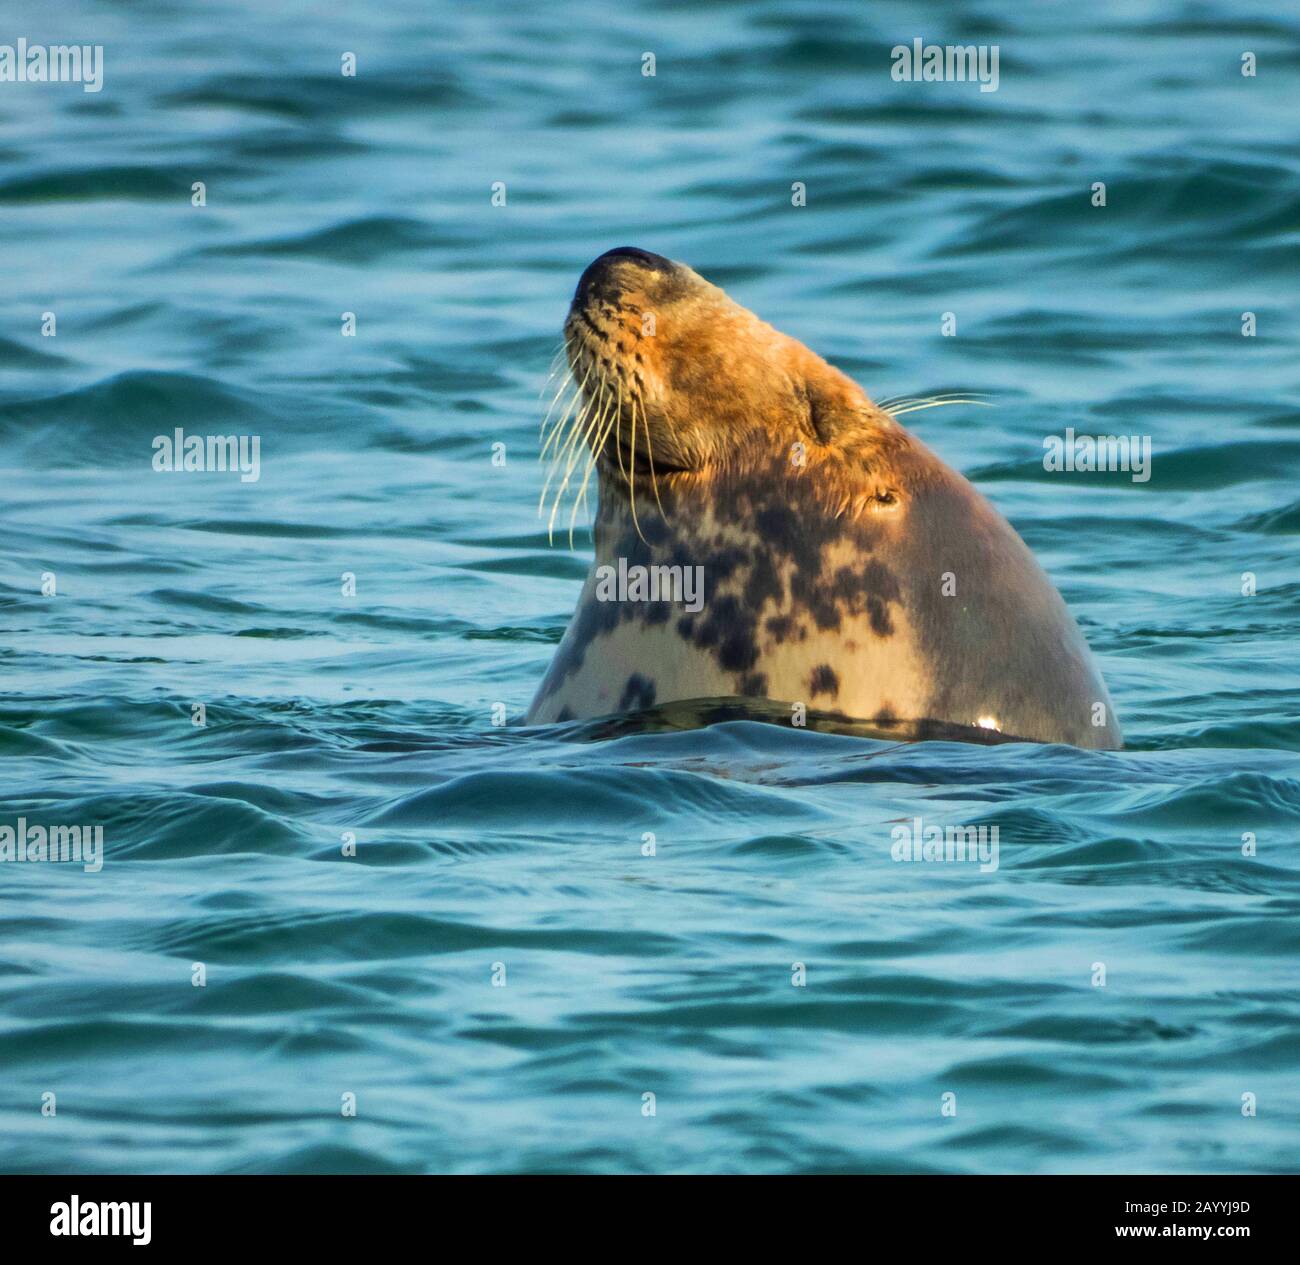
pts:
pixel 824 530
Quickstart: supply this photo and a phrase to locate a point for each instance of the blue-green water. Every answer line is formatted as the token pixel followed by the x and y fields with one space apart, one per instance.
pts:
pixel 626 974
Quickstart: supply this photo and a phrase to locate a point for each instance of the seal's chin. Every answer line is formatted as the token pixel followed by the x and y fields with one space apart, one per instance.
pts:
pixel 622 459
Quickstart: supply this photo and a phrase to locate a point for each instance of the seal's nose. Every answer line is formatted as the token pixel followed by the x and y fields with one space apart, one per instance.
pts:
pixel 600 277
pixel 656 263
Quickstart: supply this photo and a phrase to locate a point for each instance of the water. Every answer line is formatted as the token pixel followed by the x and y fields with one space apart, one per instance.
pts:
pixel 325 714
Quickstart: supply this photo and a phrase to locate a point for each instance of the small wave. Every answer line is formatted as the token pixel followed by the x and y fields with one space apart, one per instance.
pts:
pixel 114 421
pixel 358 241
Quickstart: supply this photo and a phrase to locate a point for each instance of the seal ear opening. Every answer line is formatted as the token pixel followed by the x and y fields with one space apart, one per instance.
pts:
pixel 831 410
pixel 821 417
pixel 838 410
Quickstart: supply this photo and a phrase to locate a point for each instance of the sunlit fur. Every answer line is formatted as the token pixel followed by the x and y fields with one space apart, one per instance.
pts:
pixel 752 391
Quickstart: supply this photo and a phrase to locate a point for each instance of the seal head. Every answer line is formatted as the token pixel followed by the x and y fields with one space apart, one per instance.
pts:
pixel 765 531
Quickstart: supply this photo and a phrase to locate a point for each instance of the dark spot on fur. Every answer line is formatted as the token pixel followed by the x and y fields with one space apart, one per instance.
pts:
pixel 638 693
pixel 881 587
pixel 763 583
pixel 824 681
pixel 780 626
pixel 777 521
pixel 728 630
pixel 739 650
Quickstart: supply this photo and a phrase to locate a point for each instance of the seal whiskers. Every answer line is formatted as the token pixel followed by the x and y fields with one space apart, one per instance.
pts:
pixel 650 452
pixel 596 448
pixel 631 478
pixel 568 429
pixel 548 438
pixel 593 449
pixel 924 402
pixel 588 422
pixel 559 427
